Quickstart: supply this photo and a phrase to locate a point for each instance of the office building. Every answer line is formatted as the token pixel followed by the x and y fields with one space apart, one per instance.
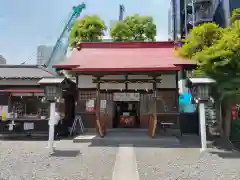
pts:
pixel 185 14
pixel 224 11
pixel 43 54
pixel 176 19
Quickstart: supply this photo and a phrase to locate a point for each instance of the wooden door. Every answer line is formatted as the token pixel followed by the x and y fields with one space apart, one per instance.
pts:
pixel 106 108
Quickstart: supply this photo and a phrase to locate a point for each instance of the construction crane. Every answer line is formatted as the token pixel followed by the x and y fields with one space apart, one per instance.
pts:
pixel 59 51
pixel 121 11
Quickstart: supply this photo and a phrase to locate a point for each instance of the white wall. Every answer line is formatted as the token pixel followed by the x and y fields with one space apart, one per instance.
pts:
pixel 85 81
pixel 168 81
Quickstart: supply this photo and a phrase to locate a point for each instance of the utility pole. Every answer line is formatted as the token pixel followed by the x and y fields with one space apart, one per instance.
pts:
pixel 121 11
pixel 193 13
pixel 174 9
pixel 185 18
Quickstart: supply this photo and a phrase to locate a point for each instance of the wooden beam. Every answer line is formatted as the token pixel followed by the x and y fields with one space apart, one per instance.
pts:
pixel 177 92
pixel 127 81
pixel 98 121
pixel 154 123
pixel 177 102
pixel 147 73
pixel 150 125
pixel 127 91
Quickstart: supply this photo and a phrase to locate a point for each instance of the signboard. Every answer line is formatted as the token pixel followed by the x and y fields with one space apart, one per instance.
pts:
pixel 39 94
pixel 90 105
pixel 28 126
pixel 3 113
pixel 103 104
pixel 126 97
pixel 235 112
pixel 22 94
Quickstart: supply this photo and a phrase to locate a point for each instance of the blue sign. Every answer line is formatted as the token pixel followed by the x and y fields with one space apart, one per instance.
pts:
pixel 185 102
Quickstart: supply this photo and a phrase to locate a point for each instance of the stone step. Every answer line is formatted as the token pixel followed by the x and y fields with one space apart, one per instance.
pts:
pixel 137 138
pixel 93 130
pixel 130 130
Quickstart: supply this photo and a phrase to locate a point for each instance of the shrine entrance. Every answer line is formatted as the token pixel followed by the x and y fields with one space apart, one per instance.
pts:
pixel 126 114
pixel 126 110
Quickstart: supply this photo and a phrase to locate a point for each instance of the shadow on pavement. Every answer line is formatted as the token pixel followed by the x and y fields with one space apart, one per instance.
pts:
pixel 227 155
pixel 223 143
pixel 24 138
pixel 66 153
pixel 31 138
pixel 158 142
pixel 135 144
pixel 190 141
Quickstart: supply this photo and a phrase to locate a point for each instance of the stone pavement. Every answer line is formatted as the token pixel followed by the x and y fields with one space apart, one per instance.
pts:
pixel 30 160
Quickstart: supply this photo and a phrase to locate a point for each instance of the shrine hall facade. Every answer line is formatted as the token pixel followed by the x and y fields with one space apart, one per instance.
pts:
pixel 126 84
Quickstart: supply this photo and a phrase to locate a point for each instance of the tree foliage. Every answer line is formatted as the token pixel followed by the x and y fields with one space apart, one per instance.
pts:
pixel 235 15
pixel 87 29
pixel 221 61
pixel 217 54
pixel 120 32
pixel 200 37
pixel 134 28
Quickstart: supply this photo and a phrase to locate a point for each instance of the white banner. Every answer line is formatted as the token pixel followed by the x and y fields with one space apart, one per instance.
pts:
pixel 126 97
pixel 90 105
pixel 103 104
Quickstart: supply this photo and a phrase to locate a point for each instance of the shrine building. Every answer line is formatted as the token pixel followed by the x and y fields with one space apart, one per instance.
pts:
pixel 126 84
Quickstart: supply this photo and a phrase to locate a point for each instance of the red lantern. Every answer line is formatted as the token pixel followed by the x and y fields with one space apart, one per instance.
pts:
pixel 234 112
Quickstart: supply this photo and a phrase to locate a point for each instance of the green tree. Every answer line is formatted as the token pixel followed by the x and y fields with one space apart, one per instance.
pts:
pixel 87 29
pixel 134 28
pixel 221 61
pixel 235 15
pixel 201 36
pixel 120 32
pixel 217 54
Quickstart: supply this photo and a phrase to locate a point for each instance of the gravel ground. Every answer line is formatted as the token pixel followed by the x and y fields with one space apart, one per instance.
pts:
pixel 30 160
pixel 187 164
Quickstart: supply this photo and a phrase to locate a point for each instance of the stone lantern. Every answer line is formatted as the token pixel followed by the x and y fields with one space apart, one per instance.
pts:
pixel 199 88
pixel 53 88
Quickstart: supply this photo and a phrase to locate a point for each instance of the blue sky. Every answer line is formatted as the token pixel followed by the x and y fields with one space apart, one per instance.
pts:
pixel 25 24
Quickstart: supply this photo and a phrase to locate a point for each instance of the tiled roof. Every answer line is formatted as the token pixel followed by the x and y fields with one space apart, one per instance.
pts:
pixel 24 71
pixel 125 56
pixel 22 90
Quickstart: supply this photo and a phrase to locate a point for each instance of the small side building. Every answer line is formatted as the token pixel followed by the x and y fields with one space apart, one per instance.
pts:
pixel 21 98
